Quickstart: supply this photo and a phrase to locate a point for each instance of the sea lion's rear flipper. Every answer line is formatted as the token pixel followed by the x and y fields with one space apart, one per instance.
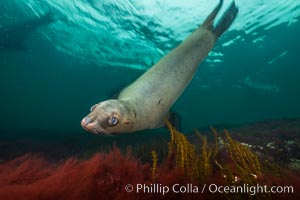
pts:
pixel 226 20
pixel 210 19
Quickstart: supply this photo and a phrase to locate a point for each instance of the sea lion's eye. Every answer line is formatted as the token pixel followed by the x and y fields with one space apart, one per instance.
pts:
pixel 112 121
pixel 93 107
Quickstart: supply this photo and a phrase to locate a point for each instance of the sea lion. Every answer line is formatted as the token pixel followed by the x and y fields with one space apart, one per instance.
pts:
pixel 12 36
pixel 146 102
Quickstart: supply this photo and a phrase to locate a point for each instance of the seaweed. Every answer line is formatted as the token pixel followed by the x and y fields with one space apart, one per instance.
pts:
pixel 104 175
pixel 154 165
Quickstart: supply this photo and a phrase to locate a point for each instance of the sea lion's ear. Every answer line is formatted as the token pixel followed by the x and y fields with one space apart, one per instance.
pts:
pixel 126 121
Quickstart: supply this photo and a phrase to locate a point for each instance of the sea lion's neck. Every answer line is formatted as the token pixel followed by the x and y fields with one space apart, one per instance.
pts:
pixel 142 114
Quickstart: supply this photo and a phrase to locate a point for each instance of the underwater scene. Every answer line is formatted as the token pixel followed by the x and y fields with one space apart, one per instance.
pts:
pixel 149 99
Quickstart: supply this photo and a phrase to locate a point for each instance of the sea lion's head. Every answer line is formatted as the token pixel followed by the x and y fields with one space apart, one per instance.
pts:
pixel 108 118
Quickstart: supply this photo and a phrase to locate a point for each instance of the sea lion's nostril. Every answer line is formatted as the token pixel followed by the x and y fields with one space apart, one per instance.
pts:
pixel 88 120
pixel 85 121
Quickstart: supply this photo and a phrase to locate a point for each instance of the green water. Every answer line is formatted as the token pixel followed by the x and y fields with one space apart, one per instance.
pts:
pixel 92 49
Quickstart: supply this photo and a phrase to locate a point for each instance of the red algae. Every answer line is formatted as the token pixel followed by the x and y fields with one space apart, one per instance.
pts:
pixel 105 175
pixel 108 175
pixel 101 177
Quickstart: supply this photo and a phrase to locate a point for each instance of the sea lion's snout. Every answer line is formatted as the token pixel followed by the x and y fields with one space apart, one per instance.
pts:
pixel 85 121
pixel 91 125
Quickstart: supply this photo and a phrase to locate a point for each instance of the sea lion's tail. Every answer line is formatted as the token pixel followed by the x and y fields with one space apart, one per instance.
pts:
pixel 225 21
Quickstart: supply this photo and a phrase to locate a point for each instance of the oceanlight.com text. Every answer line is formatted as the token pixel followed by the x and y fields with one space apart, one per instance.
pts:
pixel 211 188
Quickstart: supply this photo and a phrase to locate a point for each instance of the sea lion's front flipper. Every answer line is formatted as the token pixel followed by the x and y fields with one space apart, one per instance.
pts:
pixel 175 119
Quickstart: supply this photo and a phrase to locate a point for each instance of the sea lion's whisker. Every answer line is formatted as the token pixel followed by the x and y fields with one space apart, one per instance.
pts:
pixel 103 132
pixel 94 130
